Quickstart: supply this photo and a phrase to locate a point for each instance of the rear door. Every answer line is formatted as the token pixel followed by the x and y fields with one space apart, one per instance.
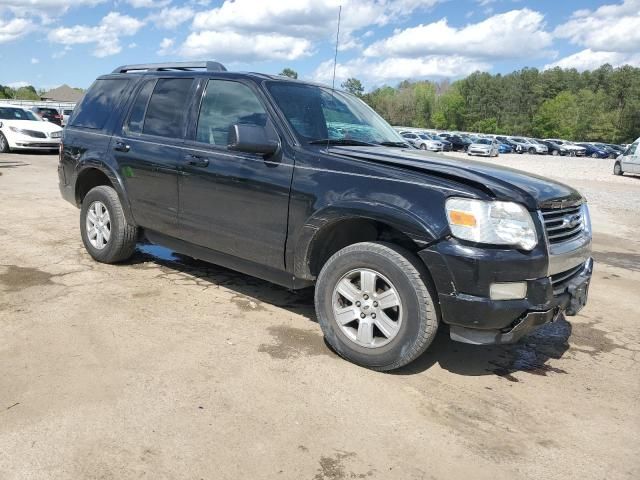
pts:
pixel 232 202
pixel 148 151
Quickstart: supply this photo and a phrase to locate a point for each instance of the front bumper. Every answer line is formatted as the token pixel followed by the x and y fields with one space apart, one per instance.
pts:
pixel 463 274
pixel 474 151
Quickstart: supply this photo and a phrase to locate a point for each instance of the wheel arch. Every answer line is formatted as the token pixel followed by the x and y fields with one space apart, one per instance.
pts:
pixel 339 226
pixel 90 174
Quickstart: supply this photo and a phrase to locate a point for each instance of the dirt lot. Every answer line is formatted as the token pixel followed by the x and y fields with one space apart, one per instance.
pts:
pixel 163 368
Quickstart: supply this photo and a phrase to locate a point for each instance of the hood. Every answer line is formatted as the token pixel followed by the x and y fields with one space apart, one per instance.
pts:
pixel 46 127
pixel 502 183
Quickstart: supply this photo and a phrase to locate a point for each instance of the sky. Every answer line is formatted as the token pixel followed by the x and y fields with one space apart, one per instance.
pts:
pixel 46 43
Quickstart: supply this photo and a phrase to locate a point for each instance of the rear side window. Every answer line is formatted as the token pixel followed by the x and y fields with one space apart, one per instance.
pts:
pixel 225 104
pixel 136 118
pixel 98 103
pixel 166 110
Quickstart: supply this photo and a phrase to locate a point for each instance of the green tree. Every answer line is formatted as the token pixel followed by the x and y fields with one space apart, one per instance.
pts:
pixel 289 72
pixel 557 117
pixel 26 93
pixel 354 86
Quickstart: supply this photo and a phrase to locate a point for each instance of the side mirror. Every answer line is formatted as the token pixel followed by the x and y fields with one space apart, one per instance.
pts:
pixel 251 139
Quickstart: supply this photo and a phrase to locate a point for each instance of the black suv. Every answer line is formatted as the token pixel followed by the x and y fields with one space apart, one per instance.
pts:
pixel 300 184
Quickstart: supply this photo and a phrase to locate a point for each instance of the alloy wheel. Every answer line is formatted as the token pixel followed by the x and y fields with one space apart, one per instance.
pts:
pixel 98 225
pixel 367 308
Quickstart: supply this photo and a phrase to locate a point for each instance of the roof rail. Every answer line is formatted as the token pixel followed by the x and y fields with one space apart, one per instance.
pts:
pixel 184 66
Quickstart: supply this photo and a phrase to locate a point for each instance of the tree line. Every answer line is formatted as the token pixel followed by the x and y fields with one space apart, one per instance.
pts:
pixel 21 93
pixel 598 105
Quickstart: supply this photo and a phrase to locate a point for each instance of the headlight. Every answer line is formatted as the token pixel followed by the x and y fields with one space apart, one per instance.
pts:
pixel 18 130
pixel 497 223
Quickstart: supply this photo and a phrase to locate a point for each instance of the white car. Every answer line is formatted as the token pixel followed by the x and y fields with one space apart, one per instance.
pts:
pixel 629 161
pixel 422 141
pixel 486 147
pixel 22 129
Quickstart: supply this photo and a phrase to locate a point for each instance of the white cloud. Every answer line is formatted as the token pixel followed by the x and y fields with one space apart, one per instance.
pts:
pixel 106 35
pixel 291 26
pixel 166 46
pixel 34 61
pixel 18 84
pixel 148 3
pixel 14 29
pixel 589 60
pixel 235 46
pixel 394 69
pixel 512 34
pixel 172 17
pixel 610 28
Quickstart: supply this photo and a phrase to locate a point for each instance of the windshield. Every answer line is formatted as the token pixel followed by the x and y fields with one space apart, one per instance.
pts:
pixel 12 113
pixel 318 113
pixel 484 141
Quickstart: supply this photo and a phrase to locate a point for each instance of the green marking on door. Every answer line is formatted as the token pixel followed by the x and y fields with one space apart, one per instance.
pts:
pixel 128 172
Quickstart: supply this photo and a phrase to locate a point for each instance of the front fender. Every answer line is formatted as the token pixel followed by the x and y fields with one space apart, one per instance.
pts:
pixel 422 230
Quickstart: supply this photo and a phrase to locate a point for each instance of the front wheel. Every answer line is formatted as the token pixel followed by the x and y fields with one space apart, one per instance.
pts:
pixel 423 146
pixel 4 144
pixel 555 153
pixel 532 150
pixel 594 155
pixel 617 169
pixel 374 307
pixel 106 234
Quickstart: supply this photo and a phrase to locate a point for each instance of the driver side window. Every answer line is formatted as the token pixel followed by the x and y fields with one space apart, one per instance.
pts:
pixel 226 103
pixel 631 150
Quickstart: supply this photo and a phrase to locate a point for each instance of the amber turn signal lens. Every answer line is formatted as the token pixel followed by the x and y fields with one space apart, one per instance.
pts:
pixel 464 219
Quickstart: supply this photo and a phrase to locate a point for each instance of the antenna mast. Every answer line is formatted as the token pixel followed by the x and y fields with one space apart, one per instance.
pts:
pixel 335 57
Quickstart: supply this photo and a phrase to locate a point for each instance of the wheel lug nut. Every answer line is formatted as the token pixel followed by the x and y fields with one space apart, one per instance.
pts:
pixel 373 315
pixel 358 304
pixel 362 315
pixel 366 297
pixel 375 304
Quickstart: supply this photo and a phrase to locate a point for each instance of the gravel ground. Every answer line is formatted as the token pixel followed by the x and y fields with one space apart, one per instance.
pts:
pixel 165 369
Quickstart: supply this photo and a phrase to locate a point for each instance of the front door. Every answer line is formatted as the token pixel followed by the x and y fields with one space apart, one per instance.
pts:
pixel 148 151
pixel 231 202
pixel 631 160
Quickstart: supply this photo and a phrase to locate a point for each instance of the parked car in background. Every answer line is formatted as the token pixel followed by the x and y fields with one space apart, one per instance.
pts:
pixel 422 141
pixel 21 129
pixel 593 151
pixel 611 152
pixel 555 148
pixel 529 145
pixel 66 113
pixel 504 147
pixel 574 150
pixel 619 149
pixel 485 147
pixel 446 144
pixel 458 143
pixel 629 161
pixel 49 114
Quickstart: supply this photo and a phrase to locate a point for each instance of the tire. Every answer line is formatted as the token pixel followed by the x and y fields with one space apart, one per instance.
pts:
pixel 617 169
pixel 4 144
pixel 423 146
pixel 416 322
pixel 122 235
pixel 555 153
pixel 532 151
pixel 594 155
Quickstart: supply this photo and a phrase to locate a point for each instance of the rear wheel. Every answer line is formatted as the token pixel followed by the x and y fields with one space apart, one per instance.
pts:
pixel 374 307
pixel 617 169
pixel 105 232
pixel 4 144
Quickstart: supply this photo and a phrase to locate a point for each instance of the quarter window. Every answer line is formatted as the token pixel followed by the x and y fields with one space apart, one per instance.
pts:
pixel 225 104
pixel 167 107
pixel 98 103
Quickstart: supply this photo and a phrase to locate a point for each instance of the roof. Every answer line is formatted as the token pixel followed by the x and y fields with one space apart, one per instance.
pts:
pixel 63 93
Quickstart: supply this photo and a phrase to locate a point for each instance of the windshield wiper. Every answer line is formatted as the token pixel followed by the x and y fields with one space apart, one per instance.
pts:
pixel 341 141
pixel 394 144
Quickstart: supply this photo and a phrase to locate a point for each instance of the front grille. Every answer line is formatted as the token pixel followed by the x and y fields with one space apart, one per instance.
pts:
pixel 563 224
pixel 560 281
pixel 34 134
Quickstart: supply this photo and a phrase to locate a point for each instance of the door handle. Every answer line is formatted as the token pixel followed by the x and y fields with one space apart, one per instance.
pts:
pixel 196 160
pixel 121 147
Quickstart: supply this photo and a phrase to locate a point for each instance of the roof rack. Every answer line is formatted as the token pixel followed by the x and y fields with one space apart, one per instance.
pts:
pixel 183 66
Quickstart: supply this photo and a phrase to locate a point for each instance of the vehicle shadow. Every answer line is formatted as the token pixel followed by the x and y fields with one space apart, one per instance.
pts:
pixel 12 163
pixel 530 355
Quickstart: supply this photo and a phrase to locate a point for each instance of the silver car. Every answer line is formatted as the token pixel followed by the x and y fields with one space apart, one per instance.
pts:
pixel 422 141
pixel 486 147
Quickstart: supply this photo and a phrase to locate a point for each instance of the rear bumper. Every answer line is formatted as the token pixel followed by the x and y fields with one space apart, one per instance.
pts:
pixel 463 276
